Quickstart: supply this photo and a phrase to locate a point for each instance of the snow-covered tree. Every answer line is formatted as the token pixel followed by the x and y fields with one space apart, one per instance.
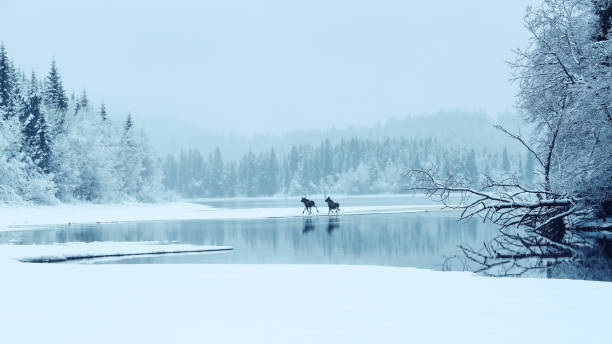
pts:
pixel 565 90
pixel 505 164
pixel 529 168
pixel 565 78
pixel 471 168
pixel 9 86
pixel 46 155
pixel 103 113
pixel 55 100
pixel 215 174
pixel 35 141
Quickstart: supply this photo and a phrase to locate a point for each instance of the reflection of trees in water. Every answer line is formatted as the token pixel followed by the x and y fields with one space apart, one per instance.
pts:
pixel 379 239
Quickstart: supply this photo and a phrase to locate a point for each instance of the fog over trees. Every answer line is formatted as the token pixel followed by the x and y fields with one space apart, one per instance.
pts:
pixel 350 166
pixel 60 147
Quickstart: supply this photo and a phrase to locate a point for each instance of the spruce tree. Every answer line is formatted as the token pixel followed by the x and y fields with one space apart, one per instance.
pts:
pixel 55 101
pixel 9 85
pixel 129 124
pixel 83 100
pixel 505 161
pixel 103 113
pixel 130 159
pixel 270 177
pixel 170 172
pixel 216 174
pixel 471 168
pixel 529 168
pixel 54 94
pixel 230 180
pixel 34 127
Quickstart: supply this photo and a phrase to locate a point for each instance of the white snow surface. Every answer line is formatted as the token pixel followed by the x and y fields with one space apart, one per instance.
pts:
pixel 24 217
pixel 78 250
pixel 185 303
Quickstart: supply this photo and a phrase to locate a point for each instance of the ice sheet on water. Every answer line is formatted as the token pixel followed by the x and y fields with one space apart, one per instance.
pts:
pixel 81 250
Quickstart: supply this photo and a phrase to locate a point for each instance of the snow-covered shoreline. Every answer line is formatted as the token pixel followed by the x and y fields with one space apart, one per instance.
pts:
pixel 76 303
pixel 28 217
pixel 176 303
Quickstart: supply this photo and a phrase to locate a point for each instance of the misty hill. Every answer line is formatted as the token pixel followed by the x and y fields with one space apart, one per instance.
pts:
pixel 458 128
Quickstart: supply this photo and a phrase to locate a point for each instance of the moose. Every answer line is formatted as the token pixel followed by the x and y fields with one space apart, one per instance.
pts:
pixel 308 204
pixel 333 206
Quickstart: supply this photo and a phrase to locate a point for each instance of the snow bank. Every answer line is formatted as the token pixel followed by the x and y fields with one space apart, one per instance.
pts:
pixel 81 250
pixel 16 217
pixel 76 303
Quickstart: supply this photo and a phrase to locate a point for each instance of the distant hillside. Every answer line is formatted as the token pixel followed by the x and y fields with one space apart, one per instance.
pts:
pixel 466 129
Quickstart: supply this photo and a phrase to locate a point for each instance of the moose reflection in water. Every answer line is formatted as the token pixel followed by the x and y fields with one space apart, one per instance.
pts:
pixel 308 226
pixel 406 239
pixel 332 224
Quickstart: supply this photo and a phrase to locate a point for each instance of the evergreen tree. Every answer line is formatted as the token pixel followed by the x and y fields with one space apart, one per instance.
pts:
pixel 129 124
pixel 103 113
pixel 34 127
pixel 81 103
pixel 529 168
pixel 505 161
pixel 269 179
pixel 327 160
pixel 9 86
pixel 56 101
pixel 54 94
pixel 471 168
pixel 83 100
pixel 170 169
pixel 230 180
pixel 130 164
pixel 5 81
pixel 216 174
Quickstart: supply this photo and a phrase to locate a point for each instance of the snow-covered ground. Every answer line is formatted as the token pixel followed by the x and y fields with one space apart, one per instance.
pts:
pixel 76 303
pixel 16 217
pixel 80 250
pixel 185 303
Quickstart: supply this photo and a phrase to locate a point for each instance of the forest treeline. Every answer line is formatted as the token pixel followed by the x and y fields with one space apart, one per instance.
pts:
pixel 353 166
pixel 59 147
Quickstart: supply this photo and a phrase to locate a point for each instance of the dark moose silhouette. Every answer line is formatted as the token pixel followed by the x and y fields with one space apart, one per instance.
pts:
pixel 308 204
pixel 333 206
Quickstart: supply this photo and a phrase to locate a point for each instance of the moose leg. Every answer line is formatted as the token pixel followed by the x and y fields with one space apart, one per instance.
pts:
pixel 304 210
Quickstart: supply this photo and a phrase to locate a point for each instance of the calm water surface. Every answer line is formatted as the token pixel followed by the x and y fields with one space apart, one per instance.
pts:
pixel 406 239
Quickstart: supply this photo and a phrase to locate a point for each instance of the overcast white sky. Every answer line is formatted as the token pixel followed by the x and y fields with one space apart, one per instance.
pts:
pixel 272 66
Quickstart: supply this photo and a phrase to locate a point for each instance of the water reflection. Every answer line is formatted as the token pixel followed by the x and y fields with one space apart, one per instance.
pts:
pixel 419 240
pixel 333 223
pixel 308 226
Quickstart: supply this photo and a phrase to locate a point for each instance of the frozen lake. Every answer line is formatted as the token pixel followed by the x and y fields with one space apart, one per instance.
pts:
pixel 399 239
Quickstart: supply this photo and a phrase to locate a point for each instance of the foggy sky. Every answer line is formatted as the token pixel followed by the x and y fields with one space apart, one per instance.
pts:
pixel 273 66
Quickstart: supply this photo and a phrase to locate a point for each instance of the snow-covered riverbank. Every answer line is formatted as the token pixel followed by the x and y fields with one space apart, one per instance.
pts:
pixel 24 217
pixel 74 303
